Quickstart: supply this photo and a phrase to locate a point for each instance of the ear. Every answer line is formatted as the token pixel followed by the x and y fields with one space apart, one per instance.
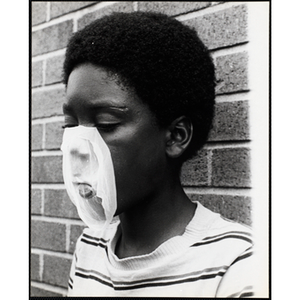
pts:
pixel 179 135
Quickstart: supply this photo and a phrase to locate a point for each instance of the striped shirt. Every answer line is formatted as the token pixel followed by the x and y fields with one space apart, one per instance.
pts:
pixel 211 259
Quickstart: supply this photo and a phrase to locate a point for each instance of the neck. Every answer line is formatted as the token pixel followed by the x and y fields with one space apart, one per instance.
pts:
pixel 147 226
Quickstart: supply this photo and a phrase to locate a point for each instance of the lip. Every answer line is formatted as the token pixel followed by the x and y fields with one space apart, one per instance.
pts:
pixel 86 191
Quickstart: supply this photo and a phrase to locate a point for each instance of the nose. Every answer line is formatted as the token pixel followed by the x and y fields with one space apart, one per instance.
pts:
pixel 79 162
pixel 83 159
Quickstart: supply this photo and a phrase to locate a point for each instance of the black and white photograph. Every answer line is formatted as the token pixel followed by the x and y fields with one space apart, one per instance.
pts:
pixel 150 149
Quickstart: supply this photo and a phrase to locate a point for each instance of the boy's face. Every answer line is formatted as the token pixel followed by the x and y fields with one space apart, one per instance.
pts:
pixel 128 127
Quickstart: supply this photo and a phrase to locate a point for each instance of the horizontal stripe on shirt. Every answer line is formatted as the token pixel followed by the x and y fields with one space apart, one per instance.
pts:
pixel 150 282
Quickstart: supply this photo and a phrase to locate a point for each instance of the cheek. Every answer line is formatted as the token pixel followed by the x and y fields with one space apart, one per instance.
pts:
pixel 133 163
pixel 138 165
pixel 135 149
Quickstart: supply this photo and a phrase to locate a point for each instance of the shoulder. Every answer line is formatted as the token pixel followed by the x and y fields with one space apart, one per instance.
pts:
pixel 221 236
pixel 238 280
pixel 229 244
pixel 223 228
pixel 215 226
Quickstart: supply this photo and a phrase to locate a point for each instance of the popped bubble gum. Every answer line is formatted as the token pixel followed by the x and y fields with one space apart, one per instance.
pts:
pixel 89 175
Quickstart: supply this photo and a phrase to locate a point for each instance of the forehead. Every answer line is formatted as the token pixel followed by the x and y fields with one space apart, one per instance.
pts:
pixel 88 84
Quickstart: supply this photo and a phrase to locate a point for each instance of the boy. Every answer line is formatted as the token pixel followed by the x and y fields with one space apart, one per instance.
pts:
pixel 140 102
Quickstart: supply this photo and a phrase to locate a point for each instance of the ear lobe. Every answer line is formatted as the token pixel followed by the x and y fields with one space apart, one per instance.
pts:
pixel 179 135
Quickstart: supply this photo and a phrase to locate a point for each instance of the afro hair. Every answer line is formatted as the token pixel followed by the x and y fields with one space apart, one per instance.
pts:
pixel 163 60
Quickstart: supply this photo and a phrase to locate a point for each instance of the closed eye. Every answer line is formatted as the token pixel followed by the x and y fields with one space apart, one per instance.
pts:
pixel 68 126
pixel 107 126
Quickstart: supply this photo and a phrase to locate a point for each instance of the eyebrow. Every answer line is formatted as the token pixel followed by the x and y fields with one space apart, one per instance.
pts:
pixel 69 109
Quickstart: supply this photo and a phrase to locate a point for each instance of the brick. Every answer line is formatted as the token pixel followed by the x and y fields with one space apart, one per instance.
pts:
pixel 232 73
pixel 230 167
pixel 35 267
pixel 36 137
pixel 56 270
pixel 62 8
pixel 231 122
pixel 46 169
pixel 172 8
pixel 76 231
pixel 37 74
pixel 54 69
pixel 48 235
pixel 54 133
pixel 236 208
pixel 195 171
pixel 36 202
pixel 222 29
pixel 58 204
pixel 47 103
pixel 51 38
pixel 38 12
pixel 38 292
pixel 107 10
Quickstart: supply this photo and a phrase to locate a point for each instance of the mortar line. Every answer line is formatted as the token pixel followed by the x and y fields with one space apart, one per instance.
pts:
pixel 226 145
pixel 48 10
pixel 218 191
pixel 44 66
pixel 51 253
pixel 209 167
pixel 43 136
pixel 43 201
pixel 239 96
pixel 229 50
pixel 46 153
pixel 47 88
pixel 57 220
pixel 75 23
pixel 46 120
pixel 58 186
pixel 68 233
pixel 41 270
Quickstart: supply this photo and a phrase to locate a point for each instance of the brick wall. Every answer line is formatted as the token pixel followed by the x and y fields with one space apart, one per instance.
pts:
pixel 219 177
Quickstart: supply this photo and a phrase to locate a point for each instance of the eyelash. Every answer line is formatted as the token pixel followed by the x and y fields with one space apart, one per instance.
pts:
pixel 105 127
pixel 68 126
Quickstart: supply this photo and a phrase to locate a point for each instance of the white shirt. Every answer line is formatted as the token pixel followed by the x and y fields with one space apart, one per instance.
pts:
pixel 211 259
